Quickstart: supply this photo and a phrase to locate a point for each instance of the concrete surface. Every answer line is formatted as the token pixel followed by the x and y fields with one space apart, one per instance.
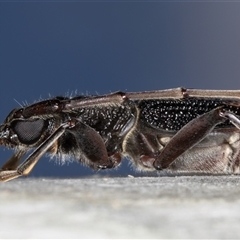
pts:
pixel 141 207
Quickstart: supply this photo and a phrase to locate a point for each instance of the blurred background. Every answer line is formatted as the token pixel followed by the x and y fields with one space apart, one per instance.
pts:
pixel 55 48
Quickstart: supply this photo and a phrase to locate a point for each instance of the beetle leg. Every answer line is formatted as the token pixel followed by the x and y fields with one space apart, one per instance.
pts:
pixel 14 161
pixel 191 134
pixel 86 145
pixel 26 167
pixel 232 118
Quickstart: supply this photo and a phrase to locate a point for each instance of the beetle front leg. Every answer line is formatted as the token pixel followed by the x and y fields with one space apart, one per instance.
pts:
pixel 26 167
pixel 191 134
pixel 14 161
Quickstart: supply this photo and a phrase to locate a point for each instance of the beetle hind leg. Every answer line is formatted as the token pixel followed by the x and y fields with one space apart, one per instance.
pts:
pixel 192 134
pixel 191 149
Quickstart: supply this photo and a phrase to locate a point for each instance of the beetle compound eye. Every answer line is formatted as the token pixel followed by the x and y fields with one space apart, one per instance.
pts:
pixel 28 131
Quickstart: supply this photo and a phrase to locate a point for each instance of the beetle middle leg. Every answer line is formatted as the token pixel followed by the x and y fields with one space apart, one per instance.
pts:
pixel 85 144
pixel 191 134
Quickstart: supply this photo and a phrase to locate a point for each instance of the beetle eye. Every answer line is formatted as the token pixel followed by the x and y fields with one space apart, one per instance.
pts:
pixel 28 132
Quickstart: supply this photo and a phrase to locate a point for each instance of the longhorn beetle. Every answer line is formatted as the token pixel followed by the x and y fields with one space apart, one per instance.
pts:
pixel 184 130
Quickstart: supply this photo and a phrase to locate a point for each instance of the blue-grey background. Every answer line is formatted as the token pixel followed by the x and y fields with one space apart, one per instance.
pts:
pixel 100 47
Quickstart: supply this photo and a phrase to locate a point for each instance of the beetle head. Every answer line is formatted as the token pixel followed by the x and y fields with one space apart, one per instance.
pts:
pixel 17 131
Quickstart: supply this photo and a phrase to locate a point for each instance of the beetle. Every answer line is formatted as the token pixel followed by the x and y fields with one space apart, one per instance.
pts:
pixel 182 130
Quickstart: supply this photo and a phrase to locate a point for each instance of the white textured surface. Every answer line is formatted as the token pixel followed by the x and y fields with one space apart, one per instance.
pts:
pixel 147 207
